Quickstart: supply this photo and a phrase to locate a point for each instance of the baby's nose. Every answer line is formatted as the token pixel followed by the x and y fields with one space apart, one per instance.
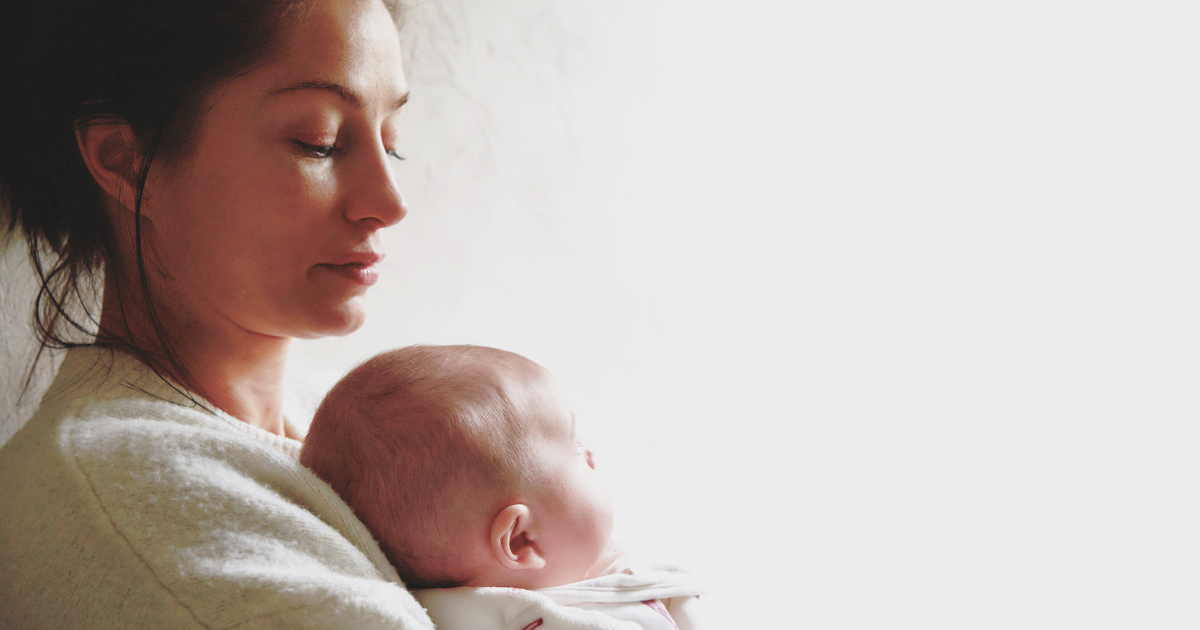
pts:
pixel 587 455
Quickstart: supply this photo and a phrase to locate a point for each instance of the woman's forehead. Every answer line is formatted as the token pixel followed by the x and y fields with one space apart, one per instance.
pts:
pixel 349 48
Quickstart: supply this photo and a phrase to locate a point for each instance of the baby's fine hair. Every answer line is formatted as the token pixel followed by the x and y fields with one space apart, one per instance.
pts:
pixel 424 444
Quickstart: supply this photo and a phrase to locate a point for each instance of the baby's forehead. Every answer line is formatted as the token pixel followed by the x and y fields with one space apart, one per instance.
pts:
pixel 528 403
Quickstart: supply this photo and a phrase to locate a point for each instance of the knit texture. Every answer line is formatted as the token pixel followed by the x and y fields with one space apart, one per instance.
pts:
pixel 125 505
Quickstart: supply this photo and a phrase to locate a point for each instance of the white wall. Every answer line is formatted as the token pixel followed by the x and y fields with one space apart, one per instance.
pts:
pixel 889 312
pixel 18 349
pixel 879 314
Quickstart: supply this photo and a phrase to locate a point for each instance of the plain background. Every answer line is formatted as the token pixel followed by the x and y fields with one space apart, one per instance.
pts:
pixel 878 314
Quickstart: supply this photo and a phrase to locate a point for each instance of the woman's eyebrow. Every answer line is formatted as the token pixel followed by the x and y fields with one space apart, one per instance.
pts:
pixel 346 94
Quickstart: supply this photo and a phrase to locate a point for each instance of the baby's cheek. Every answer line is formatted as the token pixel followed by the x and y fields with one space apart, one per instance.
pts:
pixel 602 515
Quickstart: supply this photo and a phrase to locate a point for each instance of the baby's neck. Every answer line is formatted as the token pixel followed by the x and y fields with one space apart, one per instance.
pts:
pixel 601 566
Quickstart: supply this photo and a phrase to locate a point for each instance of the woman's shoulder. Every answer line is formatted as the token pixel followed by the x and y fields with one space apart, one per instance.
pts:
pixel 113 429
pixel 117 478
pixel 103 399
pixel 100 406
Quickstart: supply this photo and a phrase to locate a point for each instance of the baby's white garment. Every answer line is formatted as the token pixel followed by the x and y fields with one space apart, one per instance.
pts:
pixel 651 598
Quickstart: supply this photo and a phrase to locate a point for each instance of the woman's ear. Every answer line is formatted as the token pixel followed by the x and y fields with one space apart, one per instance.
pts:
pixel 514 539
pixel 111 150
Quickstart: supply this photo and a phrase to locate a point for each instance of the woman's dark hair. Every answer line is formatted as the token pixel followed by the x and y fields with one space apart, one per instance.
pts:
pixel 70 63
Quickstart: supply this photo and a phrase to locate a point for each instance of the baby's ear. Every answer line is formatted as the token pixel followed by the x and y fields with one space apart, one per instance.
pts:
pixel 514 539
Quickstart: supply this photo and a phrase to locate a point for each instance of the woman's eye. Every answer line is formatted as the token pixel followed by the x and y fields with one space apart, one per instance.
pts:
pixel 392 152
pixel 320 151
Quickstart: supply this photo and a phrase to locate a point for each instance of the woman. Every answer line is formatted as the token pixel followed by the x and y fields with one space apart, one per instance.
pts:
pixel 228 164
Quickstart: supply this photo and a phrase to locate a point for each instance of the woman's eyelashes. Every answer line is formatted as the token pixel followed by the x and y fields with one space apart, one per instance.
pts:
pixel 323 151
pixel 319 151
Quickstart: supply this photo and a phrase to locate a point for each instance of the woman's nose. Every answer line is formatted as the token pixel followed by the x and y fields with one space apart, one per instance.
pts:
pixel 374 196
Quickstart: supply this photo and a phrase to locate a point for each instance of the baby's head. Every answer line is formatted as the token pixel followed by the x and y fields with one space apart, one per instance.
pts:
pixel 464 463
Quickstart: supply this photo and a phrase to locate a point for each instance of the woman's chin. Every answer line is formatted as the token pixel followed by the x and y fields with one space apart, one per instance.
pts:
pixel 347 318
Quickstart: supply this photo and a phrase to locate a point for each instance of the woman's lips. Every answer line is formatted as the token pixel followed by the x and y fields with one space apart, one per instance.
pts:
pixel 358 267
pixel 365 275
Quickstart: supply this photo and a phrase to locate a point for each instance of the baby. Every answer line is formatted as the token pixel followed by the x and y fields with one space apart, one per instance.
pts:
pixel 464 463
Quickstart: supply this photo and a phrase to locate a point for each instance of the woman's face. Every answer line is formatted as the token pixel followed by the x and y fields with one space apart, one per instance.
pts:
pixel 269 222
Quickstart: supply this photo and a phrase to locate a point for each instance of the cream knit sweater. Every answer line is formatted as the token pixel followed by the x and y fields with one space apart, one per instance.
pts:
pixel 123 505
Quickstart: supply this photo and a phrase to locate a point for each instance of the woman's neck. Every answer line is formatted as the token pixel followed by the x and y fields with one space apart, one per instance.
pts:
pixel 238 371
